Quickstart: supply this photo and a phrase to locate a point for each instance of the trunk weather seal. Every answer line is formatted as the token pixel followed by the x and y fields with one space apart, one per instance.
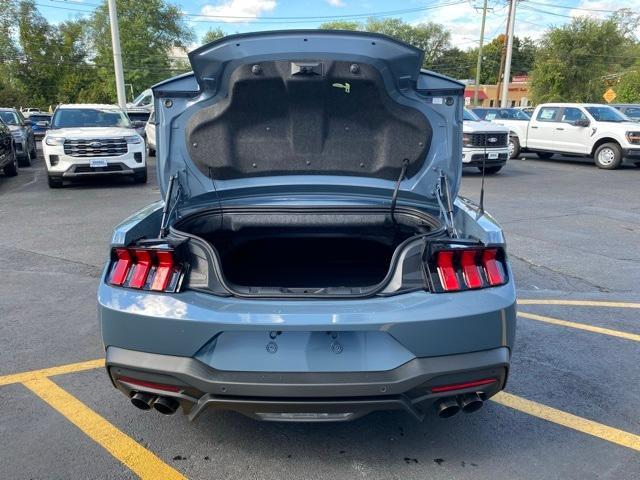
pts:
pixel 374 290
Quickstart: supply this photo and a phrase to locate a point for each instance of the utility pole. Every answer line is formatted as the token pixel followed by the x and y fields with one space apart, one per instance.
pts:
pixel 479 64
pixel 503 54
pixel 117 55
pixel 507 64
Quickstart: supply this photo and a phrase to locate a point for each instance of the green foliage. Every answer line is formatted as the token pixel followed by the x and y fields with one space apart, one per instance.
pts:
pixel 433 38
pixel 628 88
pixel 573 60
pixel 151 33
pixel 212 35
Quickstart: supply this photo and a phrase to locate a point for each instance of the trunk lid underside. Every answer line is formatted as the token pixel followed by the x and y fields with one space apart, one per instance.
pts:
pixel 310 110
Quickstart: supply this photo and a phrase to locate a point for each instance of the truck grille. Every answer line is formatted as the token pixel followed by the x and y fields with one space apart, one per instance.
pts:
pixel 98 147
pixel 485 139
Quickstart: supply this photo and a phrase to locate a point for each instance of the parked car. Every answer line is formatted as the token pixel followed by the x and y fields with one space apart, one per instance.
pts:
pixel 150 134
pixel 631 110
pixel 92 140
pixel 144 100
pixel 40 123
pixel 8 158
pixel 23 139
pixel 516 120
pixel 593 130
pixel 27 112
pixel 139 118
pixel 311 260
pixel 485 145
pixel 527 110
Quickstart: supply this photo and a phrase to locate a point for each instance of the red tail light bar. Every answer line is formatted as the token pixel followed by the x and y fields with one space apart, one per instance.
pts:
pixel 154 269
pixel 466 268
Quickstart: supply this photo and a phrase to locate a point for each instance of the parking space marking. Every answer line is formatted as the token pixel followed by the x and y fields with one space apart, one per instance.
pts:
pixel 595 429
pixel 51 371
pixel 138 459
pixel 578 303
pixel 580 326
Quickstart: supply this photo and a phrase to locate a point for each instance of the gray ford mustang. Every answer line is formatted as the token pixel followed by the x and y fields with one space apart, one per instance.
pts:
pixel 311 259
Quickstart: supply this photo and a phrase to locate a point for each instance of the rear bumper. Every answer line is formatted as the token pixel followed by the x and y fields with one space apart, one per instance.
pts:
pixel 308 396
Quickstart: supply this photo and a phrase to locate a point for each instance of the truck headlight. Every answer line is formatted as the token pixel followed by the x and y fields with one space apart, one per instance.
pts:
pixel 53 141
pixel 467 140
pixel 633 137
pixel 134 139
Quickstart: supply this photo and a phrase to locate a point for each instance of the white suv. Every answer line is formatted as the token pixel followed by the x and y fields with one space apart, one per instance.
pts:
pixel 88 140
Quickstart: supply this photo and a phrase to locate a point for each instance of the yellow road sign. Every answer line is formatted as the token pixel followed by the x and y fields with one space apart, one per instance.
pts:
pixel 609 95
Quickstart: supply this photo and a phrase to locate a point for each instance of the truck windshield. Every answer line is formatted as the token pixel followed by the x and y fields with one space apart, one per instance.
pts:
pixel 10 118
pixel 89 117
pixel 607 114
pixel 469 116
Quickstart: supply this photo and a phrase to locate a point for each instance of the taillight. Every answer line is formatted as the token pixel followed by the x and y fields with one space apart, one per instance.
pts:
pixel 153 269
pixel 464 268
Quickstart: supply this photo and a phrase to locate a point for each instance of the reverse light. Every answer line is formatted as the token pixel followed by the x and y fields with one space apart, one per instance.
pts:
pixel 459 269
pixel 154 269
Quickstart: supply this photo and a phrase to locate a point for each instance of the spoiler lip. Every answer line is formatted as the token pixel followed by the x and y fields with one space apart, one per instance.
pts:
pixel 208 61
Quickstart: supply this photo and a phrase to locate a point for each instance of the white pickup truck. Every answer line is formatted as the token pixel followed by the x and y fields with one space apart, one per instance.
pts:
pixel 484 144
pixel 592 130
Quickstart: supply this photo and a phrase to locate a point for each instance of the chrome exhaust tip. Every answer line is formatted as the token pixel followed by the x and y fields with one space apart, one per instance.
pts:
pixel 142 400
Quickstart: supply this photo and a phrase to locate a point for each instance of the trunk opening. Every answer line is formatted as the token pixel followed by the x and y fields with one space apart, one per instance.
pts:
pixel 306 250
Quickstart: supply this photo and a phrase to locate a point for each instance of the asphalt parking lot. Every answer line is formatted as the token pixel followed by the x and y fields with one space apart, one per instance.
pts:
pixel 570 410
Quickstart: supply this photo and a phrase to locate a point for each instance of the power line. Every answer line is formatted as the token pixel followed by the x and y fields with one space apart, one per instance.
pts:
pixel 566 7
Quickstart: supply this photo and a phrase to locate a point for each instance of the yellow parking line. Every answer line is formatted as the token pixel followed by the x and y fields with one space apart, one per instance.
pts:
pixel 578 303
pixel 581 326
pixel 138 459
pixel 598 430
pixel 51 371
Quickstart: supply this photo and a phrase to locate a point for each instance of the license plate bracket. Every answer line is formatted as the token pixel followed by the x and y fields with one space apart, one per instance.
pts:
pixel 97 163
pixel 492 155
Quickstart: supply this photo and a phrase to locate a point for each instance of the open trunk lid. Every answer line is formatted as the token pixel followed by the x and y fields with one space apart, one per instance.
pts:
pixel 308 112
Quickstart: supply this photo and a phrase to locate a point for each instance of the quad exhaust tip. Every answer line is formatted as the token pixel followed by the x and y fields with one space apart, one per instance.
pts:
pixel 447 408
pixel 166 405
pixel 142 400
pixel 470 402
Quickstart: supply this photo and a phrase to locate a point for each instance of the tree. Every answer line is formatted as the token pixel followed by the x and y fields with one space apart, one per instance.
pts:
pixel 523 56
pixel 430 37
pixel 151 31
pixel 628 88
pixel 212 35
pixel 573 59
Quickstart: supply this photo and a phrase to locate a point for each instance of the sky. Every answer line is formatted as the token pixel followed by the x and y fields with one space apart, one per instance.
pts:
pixel 461 17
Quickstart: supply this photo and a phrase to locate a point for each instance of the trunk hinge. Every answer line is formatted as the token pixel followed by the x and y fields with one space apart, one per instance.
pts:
pixel 443 195
pixel 394 197
pixel 168 209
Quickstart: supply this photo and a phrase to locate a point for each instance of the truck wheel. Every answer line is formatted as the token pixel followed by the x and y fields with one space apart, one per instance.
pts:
pixel 54 182
pixel 514 147
pixel 11 170
pixel 608 156
pixel 491 170
pixel 544 155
